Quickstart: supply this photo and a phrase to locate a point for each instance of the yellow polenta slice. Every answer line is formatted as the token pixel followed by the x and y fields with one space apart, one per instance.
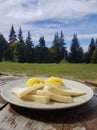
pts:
pixel 34 81
pixel 54 81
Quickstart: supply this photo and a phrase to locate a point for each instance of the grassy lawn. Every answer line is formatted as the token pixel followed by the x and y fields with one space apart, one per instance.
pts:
pixel 70 71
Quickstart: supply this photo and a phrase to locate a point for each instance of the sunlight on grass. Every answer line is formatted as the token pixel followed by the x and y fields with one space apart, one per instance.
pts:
pixel 70 71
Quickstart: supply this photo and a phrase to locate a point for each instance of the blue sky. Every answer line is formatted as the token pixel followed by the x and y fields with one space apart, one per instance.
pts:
pixel 46 17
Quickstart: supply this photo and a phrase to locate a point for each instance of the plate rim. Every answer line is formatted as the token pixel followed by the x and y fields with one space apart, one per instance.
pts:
pixel 41 108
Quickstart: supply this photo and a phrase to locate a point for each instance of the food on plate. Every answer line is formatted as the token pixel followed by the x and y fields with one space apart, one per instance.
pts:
pixel 52 89
pixel 54 81
pixel 34 81
pixel 20 92
pixel 65 91
pixel 55 97
pixel 37 98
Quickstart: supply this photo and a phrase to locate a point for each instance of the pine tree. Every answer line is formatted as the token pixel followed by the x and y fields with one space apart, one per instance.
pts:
pixel 20 35
pixel 4 48
pixel 62 46
pixel 76 51
pixel 29 40
pixel 56 47
pixel 42 51
pixel 91 48
pixel 42 42
pixel 20 48
pixel 56 41
pixel 59 47
pixel 29 49
pixel 12 36
pixel 62 41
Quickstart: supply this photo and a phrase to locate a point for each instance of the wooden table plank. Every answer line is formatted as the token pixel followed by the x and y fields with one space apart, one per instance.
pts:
pixel 87 125
pixel 7 79
pixel 14 120
pixel 4 79
pixel 83 117
pixel 2 103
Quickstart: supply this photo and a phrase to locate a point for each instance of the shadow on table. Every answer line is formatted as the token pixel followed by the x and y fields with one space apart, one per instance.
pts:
pixel 80 113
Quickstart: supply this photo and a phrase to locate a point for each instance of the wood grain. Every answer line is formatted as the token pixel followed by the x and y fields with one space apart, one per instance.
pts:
pixel 83 117
pixel 91 83
pixel 87 125
pixel 11 120
pixel 4 79
pixel 2 103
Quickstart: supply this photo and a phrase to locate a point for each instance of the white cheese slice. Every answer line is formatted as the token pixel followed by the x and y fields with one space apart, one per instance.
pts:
pixel 20 92
pixel 55 97
pixel 37 98
pixel 65 92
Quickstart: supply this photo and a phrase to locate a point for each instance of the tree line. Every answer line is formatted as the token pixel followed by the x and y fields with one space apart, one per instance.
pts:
pixel 19 50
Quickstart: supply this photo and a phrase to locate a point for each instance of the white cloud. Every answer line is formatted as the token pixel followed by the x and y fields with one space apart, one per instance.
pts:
pixel 85 48
pixel 22 12
pixel 19 11
pixel 83 36
pixel 31 10
pixel 68 8
pixel 86 36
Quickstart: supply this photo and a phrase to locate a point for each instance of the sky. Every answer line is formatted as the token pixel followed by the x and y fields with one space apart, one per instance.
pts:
pixel 46 17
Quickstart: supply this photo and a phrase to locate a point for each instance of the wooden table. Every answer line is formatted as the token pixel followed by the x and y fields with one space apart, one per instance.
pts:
pixel 12 117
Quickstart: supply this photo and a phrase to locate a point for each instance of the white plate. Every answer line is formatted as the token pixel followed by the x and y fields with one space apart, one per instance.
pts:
pixel 11 98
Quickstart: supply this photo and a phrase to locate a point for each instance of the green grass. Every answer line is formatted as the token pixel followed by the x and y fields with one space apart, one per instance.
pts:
pixel 66 70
